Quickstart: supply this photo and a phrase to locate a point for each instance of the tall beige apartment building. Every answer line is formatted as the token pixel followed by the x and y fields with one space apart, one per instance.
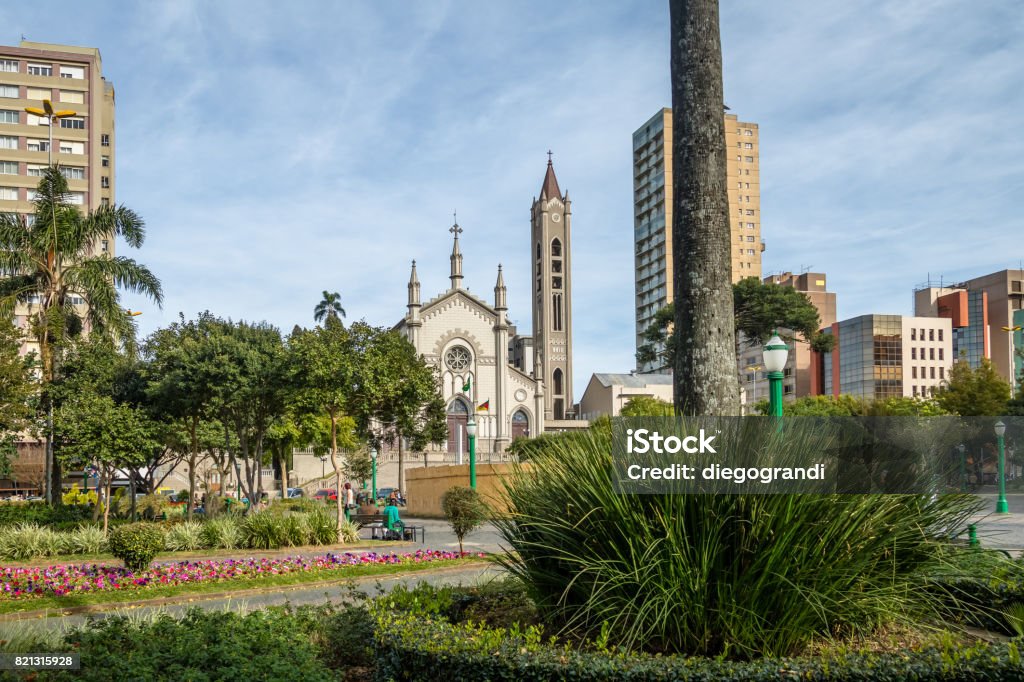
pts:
pixel 652 212
pixel 83 144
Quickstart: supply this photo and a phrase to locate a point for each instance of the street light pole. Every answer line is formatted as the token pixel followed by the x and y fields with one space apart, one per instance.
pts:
pixel 471 430
pixel 775 355
pixel 963 467
pixel 1001 506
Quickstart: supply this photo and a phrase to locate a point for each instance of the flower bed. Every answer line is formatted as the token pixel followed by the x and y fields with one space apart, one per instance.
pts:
pixel 70 579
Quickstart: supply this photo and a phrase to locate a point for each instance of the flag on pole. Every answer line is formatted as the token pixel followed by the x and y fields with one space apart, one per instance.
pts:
pixel 466 386
pixel 484 406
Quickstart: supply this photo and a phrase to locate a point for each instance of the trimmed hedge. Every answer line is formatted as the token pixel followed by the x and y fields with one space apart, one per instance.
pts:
pixel 981 604
pixel 13 513
pixel 412 648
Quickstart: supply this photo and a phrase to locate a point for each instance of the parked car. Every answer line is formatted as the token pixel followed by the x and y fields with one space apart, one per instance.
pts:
pixel 295 492
pixel 326 494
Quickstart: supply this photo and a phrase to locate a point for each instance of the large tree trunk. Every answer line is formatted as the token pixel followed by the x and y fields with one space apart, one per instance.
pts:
pixel 284 473
pixel 192 461
pixel 705 366
pixel 106 510
pixel 401 464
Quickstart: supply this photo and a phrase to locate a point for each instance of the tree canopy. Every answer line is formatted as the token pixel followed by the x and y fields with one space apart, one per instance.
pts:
pixel 974 392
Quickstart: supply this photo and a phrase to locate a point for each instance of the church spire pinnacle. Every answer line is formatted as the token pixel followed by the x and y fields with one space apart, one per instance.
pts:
pixel 550 190
pixel 500 292
pixel 456 257
pixel 414 287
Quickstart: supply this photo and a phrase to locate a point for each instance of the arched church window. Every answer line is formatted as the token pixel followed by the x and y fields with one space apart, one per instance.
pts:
pixel 458 406
pixel 520 417
pixel 557 380
pixel 556 248
pixel 457 358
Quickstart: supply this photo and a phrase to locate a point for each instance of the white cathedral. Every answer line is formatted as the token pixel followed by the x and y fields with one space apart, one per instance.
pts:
pixel 467 339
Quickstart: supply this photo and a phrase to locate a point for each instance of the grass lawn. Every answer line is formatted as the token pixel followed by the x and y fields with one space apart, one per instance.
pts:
pixel 261 583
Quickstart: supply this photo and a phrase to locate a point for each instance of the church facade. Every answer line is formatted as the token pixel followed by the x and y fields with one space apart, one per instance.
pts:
pixel 467 339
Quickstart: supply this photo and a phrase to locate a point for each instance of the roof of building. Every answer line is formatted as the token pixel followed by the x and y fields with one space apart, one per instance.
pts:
pixel 550 186
pixel 634 380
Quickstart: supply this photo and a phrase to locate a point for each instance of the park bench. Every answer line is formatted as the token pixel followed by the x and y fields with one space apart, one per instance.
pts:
pixel 375 522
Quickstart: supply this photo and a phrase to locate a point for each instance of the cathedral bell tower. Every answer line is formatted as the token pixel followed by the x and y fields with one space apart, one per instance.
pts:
pixel 550 254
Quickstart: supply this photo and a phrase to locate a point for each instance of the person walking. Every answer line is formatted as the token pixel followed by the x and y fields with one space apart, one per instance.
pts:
pixel 350 501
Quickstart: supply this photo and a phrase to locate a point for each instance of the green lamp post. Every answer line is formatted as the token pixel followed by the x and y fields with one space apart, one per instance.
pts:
pixel 775 355
pixel 471 431
pixel 1001 506
pixel 373 477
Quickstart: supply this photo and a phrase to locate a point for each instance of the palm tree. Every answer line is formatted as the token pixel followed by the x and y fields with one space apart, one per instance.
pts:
pixel 51 265
pixel 329 308
pixel 705 363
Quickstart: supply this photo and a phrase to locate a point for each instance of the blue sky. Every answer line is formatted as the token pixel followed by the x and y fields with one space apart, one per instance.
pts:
pixel 279 149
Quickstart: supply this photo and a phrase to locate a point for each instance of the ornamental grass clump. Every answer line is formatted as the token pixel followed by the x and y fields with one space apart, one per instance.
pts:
pixel 185 537
pixel 137 544
pixel 263 530
pixel 87 539
pixel 734 575
pixel 295 530
pixel 223 532
pixel 28 540
pixel 323 528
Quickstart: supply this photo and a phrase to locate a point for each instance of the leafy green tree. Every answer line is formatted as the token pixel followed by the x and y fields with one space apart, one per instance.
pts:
pixel 852 406
pixel 464 510
pixel 329 308
pixel 17 390
pixel 322 366
pixel 646 406
pixel 395 394
pixel 53 257
pixel 759 308
pixel 974 392
pixel 705 335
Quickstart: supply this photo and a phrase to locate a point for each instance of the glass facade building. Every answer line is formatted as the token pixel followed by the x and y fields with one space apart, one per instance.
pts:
pixel 969 342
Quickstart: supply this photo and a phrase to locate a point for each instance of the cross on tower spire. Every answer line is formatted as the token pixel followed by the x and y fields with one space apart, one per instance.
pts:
pixel 549 157
pixel 456 257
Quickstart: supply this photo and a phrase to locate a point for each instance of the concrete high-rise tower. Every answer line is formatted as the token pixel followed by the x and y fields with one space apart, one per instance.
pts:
pixel 551 255
pixel 652 212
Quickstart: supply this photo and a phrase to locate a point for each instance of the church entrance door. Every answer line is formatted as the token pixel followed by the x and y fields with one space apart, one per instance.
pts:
pixel 458 417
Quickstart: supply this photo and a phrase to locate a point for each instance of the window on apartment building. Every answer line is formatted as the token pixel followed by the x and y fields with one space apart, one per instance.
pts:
pixel 931 372
pixel 922 334
pixel 8 116
pixel 913 354
pixel 747 145
pixel 9 193
pixel 9 91
pixel 931 334
pixel 73 123
pixel 105 140
pixel 8 142
pixel 104 201
pixel 73 172
pixel 740 237
pixel 36 145
pixel 748 132
pixel 72 72
pixel 750 237
pixel 748 159
pixel 72 147
pixel 750 211
pixel 750 252
pixel 913 372
pixel 940 335
pixel 9 65
pixel 105 161
pixel 931 353
pixel 105 182
pixel 942 372
pixel 40 69
pixel 72 96
pixel 76 198
pixel 941 354
pixel 33 120
pixel 36 170
pixel 38 93
pixel 913 334
pixel 104 246
pixel 8 167
pixel 750 226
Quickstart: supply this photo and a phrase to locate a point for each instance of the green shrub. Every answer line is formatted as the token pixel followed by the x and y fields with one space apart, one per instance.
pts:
pixel 263 530
pixel 409 647
pixel 348 533
pixel 84 540
pixel 740 575
pixel 13 513
pixel 297 504
pixel 137 544
pixel 323 527
pixel 464 511
pixel 296 530
pixel 223 532
pixel 184 537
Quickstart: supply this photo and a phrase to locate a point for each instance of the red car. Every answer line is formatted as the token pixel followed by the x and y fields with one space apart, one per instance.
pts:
pixel 327 494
